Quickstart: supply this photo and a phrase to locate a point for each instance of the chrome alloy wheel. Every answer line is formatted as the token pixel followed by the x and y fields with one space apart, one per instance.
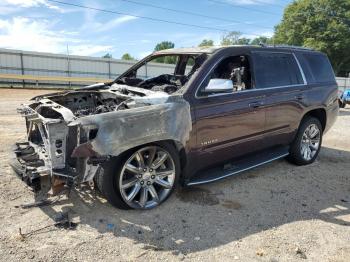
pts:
pixel 310 142
pixel 147 177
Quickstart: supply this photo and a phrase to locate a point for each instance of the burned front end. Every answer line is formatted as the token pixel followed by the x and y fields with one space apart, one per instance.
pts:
pixel 71 134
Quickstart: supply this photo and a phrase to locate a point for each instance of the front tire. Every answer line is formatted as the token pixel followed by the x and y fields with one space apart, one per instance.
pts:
pixel 307 143
pixel 142 178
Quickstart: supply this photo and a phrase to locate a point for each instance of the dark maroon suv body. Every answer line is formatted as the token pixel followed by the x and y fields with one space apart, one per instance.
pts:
pixel 221 111
pixel 242 123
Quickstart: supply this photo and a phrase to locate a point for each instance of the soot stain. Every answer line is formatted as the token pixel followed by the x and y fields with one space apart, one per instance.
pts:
pixel 199 196
pixel 229 204
pixel 205 197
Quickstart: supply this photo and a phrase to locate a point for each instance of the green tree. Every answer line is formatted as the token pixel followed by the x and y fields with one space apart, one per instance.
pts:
pixel 231 38
pixel 127 56
pixel 320 24
pixel 235 38
pixel 164 45
pixel 243 41
pixel 206 42
pixel 261 40
pixel 165 59
pixel 108 55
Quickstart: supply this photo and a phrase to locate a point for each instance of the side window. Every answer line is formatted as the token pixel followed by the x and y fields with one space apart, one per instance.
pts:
pixel 189 64
pixel 157 66
pixel 230 75
pixel 319 67
pixel 144 71
pixel 276 69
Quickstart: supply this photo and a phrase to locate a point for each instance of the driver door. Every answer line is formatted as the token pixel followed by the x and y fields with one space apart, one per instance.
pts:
pixel 228 124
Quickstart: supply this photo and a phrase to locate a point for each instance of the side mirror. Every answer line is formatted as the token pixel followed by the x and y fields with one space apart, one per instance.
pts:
pixel 216 85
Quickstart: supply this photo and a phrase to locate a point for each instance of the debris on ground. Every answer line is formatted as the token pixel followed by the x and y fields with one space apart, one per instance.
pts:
pixel 300 253
pixel 260 253
pixel 39 203
pixel 62 221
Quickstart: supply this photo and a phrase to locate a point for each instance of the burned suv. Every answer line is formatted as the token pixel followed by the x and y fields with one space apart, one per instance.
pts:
pixel 187 116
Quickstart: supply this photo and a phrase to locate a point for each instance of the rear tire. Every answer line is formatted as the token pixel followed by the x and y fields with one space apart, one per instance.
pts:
pixel 341 104
pixel 307 143
pixel 149 185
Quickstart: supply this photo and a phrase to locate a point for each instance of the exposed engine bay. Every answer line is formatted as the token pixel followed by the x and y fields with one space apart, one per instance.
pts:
pixel 90 102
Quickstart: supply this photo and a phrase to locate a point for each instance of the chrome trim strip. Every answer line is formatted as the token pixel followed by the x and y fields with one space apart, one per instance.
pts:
pixel 236 172
pixel 300 68
pixel 272 52
pixel 252 90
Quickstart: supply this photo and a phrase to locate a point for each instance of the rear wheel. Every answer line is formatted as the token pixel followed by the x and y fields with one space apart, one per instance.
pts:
pixel 307 143
pixel 142 179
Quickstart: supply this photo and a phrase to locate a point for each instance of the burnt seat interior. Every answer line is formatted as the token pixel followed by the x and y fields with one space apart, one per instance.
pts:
pixel 227 67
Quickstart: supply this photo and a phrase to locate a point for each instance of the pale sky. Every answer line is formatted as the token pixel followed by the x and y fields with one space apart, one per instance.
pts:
pixel 42 25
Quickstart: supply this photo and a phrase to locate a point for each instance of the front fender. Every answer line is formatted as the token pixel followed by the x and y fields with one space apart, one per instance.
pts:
pixel 121 130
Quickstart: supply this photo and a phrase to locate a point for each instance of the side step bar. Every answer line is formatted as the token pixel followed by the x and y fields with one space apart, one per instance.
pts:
pixel 238 166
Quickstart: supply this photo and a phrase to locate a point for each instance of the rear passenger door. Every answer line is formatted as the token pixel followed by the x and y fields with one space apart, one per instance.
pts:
pixel 280 76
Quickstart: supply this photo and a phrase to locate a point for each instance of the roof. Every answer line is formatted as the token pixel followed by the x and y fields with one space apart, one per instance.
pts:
pixel 212 49
pixel 190 50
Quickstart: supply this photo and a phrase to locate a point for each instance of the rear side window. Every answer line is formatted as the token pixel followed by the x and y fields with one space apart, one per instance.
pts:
pixel 276 69
pixel 317 67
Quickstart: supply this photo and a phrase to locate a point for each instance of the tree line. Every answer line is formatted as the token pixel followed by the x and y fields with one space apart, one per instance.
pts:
pixel 323 25
pixel 231 38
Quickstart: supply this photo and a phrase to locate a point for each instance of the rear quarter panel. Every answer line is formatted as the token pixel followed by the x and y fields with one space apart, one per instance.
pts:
pixel 323 96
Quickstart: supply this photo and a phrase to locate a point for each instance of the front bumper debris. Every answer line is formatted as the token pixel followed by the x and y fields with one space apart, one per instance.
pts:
pixel 28 165
pixel 31 166
pixel 45 151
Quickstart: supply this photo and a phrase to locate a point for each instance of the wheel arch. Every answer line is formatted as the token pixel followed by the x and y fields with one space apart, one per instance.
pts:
pixel 320 114
pixel 176 144
pixel 180 149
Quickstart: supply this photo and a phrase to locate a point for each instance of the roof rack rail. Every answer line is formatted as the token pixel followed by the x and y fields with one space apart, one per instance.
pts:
pixel 290 46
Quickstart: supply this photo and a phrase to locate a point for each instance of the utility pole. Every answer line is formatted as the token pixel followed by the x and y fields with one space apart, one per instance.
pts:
pixel 22 69
pixel 109 68
pixel 68 66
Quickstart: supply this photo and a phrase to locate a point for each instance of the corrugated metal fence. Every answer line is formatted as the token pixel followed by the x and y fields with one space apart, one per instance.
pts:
pixel 28 69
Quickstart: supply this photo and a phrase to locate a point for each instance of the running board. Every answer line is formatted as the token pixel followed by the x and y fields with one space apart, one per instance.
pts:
pixel 238 166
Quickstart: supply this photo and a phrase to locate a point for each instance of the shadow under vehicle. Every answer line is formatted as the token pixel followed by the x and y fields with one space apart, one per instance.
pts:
pixel 229 210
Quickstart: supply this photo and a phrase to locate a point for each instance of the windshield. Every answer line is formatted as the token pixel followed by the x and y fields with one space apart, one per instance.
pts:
pixel 167 73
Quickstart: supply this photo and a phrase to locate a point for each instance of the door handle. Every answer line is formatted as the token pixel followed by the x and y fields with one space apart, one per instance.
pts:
pixel 256 104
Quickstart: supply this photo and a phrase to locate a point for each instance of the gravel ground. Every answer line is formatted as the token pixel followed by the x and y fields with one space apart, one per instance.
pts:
pixel 278 212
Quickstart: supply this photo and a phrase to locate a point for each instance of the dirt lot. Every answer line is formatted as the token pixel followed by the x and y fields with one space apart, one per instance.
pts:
pixel 278 212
